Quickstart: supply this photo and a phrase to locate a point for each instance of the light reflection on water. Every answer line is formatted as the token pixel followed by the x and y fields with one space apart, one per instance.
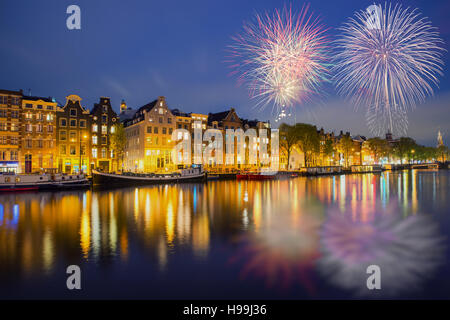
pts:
pixel 298 238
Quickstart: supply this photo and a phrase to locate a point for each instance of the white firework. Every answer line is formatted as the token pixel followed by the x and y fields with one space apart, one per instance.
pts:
pixel 389 58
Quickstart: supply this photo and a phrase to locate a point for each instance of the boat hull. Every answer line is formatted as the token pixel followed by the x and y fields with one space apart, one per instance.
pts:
pixel 109 179
pixel 255 177
pixel 45 186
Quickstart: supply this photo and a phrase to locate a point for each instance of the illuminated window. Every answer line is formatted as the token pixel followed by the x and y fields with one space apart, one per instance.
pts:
pixel 94 152
pixel 104 129
pixel 94 139
pixel 94 128
pixel 113 129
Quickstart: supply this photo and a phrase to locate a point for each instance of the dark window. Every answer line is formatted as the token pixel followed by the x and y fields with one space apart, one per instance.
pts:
pixel 73 112
pixel 149 129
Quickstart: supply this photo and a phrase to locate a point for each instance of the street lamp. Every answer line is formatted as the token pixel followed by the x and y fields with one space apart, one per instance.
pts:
pixel 81 165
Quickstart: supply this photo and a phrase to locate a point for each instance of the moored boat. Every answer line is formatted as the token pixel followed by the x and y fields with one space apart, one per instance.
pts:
pixel 34 182
pixel 128 179
pixel 255 176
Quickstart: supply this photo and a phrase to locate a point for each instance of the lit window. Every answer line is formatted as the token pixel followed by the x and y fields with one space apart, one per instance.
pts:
pixel 94 152
pixel 94 128
pixel 94 139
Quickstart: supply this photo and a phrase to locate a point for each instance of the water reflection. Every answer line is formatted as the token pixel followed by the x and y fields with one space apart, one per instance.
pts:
pixel 283 249
pixel 282 232
pixel 407 250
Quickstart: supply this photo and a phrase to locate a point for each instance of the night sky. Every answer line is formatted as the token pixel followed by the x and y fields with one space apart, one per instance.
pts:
pixel 139 50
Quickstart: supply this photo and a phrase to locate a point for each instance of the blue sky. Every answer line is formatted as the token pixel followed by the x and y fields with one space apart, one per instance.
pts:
pixel 138 50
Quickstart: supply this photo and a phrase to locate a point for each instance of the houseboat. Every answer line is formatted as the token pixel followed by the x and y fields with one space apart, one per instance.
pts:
pixel 193 174
pixel 318 171
pixel 255 176
pixel 366 168
pixel 33 182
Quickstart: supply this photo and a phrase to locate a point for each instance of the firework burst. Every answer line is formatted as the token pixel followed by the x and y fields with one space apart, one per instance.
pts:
pixel 389 59
pixel 281 57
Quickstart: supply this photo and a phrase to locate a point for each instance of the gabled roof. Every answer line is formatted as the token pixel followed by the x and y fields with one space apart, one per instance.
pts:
pixel 359 138
pixel 250 123
pixel 219 116
pixel 18 93
pixel 103 101
pixel 137 115
pixel 126 114
pixel 179 113
pixel 149 106
pixel 36 98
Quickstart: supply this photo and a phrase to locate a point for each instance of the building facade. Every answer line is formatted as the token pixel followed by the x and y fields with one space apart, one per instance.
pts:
pixel 10 133
pixel 38 134
pixel 149 145
pixel 73 136
pixel 103 125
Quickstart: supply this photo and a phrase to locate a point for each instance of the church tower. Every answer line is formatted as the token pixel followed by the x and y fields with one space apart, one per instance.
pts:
pixel 123 106
pixel 439 139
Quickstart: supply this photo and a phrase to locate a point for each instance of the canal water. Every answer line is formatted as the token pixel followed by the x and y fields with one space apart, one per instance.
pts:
pixel 298 238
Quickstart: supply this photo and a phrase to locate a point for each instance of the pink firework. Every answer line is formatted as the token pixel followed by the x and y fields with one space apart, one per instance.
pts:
pixel 281 57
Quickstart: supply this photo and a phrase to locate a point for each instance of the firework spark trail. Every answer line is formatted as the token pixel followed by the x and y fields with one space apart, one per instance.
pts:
pixel 390 64
pixel 281 57
pixel 382 120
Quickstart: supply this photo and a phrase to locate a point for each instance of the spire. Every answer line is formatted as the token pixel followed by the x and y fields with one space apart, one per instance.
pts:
pixel 123 106
pixel 440 139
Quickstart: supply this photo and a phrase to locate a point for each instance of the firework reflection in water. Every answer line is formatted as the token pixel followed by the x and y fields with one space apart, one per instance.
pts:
pixel 407 250
pixel 284 250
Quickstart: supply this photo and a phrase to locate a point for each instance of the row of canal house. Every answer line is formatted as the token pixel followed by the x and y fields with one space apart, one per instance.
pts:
pixel 149 136
pixel 39 135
